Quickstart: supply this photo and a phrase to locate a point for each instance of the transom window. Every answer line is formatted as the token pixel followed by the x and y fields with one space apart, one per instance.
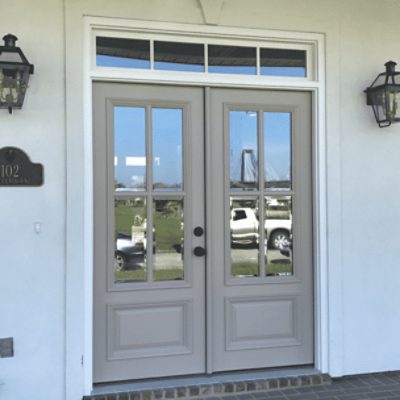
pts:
pixel 212 58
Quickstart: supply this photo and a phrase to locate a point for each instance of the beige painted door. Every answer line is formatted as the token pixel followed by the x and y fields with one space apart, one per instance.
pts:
pixel 150 195
pixel 149 291
pixel 260 254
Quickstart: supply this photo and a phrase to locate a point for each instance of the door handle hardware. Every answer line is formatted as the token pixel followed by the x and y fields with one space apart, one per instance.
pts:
pixel 198 231
pixel 199 251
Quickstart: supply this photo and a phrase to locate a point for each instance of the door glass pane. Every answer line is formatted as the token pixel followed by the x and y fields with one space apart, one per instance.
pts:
pixel 167 124
pixel 278 233
pixel 129 148
pixel 168 240
pixel 123 53
pixel 283 62
pixel 174 56
pixel 277 150
pixel 232 59
pixel 243 150
pixel 130 240
pixel 244 240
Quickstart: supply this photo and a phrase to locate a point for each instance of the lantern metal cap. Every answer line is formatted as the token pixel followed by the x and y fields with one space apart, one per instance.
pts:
pixel 390 67
pixel 10 40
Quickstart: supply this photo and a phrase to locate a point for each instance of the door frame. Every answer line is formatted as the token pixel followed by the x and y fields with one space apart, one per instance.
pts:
pixel 316 86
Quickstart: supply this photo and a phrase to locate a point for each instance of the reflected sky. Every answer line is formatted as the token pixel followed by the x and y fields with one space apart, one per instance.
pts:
pixel 130 147
pixel 121 62
pixel 190 57
pixel 243 147
pixel 167 148
pixel 172 56
pixel 168 66
pixel 277 146
pixel 224 69
pixel 283 71
pixel 232 59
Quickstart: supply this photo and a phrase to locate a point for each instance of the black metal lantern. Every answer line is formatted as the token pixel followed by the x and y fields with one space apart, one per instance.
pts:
pixel 384 96
pixel 14 74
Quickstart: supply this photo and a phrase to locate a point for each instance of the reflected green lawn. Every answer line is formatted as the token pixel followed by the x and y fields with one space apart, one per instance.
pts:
pixel 238 269
pixel 251 269
pixel 167 224
pixel 140 275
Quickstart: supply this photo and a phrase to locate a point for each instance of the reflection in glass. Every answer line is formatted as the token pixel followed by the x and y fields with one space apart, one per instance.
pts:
pixel 130 148
pixel 174 56
pixel 283 62
pixel 243 150
pixel 278 233
pixel 232 60
pixel 130 240
pixel 122 53
pixel 277 150
pixel 244 227
pixel 168 240
pixel 167 148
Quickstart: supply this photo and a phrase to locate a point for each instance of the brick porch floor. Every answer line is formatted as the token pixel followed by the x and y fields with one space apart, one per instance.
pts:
pixel 382 386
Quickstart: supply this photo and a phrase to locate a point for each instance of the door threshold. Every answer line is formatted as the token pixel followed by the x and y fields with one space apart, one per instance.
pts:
pixel 219 384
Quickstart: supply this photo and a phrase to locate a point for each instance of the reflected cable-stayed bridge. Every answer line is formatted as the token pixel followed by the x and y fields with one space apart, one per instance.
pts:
pixel 249 168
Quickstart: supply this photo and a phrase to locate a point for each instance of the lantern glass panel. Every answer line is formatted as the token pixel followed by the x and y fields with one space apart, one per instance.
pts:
pixel 392 101
pixel 378 100
pixel 8 56
pixel 380 80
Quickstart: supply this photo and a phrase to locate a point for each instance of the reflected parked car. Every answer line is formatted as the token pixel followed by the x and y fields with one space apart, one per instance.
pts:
pixel 244 228
pixel 129 251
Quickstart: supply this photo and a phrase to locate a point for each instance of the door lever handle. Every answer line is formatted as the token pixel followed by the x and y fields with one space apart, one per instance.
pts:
pixel 199 251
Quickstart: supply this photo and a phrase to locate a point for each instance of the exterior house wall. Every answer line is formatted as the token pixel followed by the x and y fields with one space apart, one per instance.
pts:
pixel 43 276
pixel 32 265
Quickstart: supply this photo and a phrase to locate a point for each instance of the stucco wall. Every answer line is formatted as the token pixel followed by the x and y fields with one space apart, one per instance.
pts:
pixel 363 216
pixel 32 266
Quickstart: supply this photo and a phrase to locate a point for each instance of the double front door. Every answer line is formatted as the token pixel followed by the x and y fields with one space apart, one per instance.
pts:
pixel 202 230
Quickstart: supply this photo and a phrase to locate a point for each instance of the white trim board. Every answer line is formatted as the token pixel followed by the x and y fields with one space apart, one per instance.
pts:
pixel 316 85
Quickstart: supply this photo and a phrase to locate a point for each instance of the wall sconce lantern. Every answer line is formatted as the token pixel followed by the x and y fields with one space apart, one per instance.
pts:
pixel 14 74
pixel 384 96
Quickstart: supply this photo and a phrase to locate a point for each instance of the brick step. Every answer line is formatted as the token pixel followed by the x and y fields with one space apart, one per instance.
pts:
pixel 202 390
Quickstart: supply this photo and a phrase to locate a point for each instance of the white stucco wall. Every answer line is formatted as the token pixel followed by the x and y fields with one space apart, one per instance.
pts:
pixel 42 276
pixel 32 266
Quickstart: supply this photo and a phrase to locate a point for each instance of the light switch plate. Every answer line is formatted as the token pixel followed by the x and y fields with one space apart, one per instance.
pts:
pixel 6 347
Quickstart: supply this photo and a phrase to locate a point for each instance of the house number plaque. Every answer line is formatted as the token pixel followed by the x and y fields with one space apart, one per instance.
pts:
pixel 16 169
